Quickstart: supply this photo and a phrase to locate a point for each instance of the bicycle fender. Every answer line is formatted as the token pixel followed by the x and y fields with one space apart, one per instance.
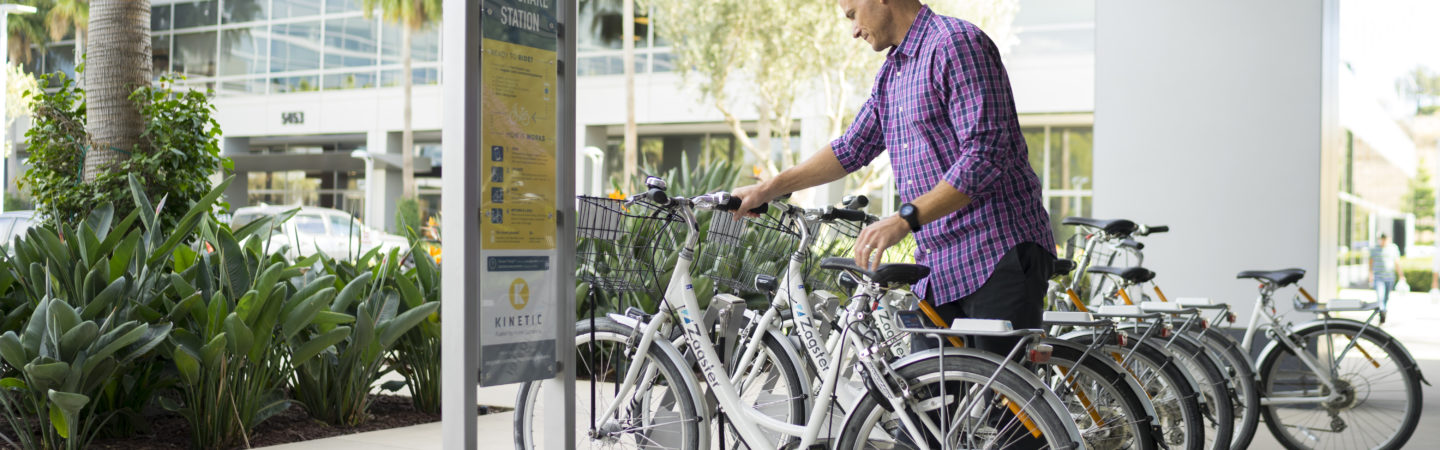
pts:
pixel 688 376
pixel 1051 400
pixel 1129 381
pixel 1355 325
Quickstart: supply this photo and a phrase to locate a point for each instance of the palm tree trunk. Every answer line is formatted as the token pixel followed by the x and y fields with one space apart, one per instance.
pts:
pixel 407 136
pixel 121 64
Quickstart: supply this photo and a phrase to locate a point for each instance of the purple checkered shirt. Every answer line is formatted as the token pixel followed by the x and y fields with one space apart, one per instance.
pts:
pixel 942 106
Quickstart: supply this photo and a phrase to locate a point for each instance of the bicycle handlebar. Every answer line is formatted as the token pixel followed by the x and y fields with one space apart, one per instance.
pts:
pixel 1146 230
pixel 846 214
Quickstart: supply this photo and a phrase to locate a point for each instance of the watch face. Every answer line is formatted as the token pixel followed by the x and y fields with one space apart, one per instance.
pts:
pixel 907 209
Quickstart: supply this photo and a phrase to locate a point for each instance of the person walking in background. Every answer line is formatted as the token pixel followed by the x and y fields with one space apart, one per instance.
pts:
pixel 1385 270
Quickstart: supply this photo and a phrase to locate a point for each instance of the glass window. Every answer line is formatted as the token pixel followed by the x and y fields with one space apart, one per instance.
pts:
pixel 664 62
pixel 240 11
pixel 295 8
pixel 600 65
pixel 195 54
pixel 1066 206
pixel 242 51
pixel 424 44
pixel 295 46
pixel 60 58
pixel 196 14
pixel 160 18
pixel 159 55
pixel 341 6
pixel 283 85
pixel 350 42
pixel 1035 141
pixel 309 224
pixel 238 87
pixel 601 25
pixel 352 80
pixel 342 226
pixel 1070 157
pixel 421 77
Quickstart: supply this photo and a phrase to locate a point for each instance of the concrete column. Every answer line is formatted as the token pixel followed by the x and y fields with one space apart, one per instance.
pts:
pixel 383 183
pixel 238 193
pixel 1194 128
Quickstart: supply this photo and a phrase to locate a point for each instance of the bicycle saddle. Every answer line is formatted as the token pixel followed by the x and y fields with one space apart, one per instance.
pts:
pixel 1280 278
pixel 1062 267
pixel 885 274
pixel 1134 275
pixel 1115 226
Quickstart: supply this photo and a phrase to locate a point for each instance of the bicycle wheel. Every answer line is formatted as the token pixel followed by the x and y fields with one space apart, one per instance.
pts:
pixel 1227 352
pixel 988 424
pixel 1378 402
pixel 1108 413
pixel 660 413
pixel 1175 400
pixel 1218 406
pixel 772 385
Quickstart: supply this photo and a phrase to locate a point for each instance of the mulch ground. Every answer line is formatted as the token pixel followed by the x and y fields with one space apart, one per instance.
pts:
pixel 169 431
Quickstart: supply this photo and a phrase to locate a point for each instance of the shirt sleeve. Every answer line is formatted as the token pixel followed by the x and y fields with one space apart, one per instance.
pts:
pixel 863 141
pixel 981 109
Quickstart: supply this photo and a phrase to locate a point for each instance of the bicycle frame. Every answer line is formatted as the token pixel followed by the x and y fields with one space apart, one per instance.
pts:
pixel 1277 332
pixel 750 420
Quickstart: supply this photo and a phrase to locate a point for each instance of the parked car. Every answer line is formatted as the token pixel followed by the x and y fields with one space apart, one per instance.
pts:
pixel 13 224
pixel 312 229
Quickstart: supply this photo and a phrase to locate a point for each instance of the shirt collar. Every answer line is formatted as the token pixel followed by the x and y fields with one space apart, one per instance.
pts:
pixel 911 44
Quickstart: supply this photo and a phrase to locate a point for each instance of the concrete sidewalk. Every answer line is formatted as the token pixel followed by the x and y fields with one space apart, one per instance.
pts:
pixel 1413 319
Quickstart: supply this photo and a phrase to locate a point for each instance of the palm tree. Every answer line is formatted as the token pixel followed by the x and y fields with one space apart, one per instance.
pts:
pixel 412 15
pixel 65 14
pixel 119 63
pixel 27 30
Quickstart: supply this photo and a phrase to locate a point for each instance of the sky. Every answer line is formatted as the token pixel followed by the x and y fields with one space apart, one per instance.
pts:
pixel 1382 40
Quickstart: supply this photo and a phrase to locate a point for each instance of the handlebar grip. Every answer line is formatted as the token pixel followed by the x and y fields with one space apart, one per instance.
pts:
pixel 733 203
pixel 847 214
pixel 658 196
pixel 1158 229
pixel 855 202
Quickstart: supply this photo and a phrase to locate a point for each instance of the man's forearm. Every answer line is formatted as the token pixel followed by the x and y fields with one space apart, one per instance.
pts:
pixel 820 168
pixel 941 201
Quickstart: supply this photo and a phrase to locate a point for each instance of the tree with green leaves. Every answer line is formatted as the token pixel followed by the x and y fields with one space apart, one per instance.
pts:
pixel 27 30
pixel 65 15
pixel 1422 86
pixel 779 51
pixel 1420 200
pixel 412 15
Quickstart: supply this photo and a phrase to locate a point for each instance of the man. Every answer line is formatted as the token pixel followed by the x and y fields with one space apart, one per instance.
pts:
pixel 1385 270
pixel 942 106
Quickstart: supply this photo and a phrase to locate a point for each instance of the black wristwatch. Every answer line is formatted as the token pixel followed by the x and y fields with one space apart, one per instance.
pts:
pixel 911 214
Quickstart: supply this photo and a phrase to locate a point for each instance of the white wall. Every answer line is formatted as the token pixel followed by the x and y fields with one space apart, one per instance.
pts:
pixel 1208 118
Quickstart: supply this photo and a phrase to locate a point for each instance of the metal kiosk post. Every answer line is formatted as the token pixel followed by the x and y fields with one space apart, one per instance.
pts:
pixel 509 266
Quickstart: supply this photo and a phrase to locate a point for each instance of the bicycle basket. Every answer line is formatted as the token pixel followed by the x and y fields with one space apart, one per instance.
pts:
pixel 736 251
pixel 834 239
pixel 623 248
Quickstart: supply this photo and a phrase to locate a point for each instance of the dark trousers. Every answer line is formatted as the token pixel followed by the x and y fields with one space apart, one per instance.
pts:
pixel 1015 291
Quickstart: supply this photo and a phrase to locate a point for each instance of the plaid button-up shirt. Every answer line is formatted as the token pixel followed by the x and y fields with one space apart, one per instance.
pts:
pixel 942 106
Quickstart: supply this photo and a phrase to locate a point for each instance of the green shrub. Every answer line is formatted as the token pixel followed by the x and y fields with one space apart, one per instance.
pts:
pixel 180 152
pixel 335 387
pixel 416 356
pixel 1419 279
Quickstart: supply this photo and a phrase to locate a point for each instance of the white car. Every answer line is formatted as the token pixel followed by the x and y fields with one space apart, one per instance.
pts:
pixel 312 229
pixel 14 224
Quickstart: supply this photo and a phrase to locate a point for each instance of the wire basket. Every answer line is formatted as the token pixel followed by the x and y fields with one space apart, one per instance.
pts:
pixel 736 251
pixel 835 238
pixel 623 248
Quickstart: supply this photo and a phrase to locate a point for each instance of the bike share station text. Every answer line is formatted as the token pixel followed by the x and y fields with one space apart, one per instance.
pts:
pixel 509 133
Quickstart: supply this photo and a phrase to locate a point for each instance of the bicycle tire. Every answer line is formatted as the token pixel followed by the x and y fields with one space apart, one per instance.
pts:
pixel 1169 389
pixel 1109 398
pixel 686 432
pixel 1242 381
pixel 1395 355
pixel 1215 389
pixel 923 377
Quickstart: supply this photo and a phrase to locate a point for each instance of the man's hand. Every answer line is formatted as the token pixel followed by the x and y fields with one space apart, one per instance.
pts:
pixel 877 237
pixel 751 197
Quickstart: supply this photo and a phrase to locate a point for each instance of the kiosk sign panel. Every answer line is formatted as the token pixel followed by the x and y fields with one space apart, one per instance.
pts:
pixel 520 147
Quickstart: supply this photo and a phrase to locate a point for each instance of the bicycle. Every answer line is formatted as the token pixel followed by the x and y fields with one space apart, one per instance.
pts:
pixel 617 425
pixel 1316 378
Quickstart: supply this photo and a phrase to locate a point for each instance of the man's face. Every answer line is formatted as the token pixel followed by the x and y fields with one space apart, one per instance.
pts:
pixel 870 20
pixel 1384 240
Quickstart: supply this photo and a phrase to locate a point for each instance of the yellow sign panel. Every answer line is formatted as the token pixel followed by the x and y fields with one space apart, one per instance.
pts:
pixel 518 95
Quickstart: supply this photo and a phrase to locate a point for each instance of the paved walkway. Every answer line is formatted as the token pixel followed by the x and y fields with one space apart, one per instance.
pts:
pixel 1414 319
